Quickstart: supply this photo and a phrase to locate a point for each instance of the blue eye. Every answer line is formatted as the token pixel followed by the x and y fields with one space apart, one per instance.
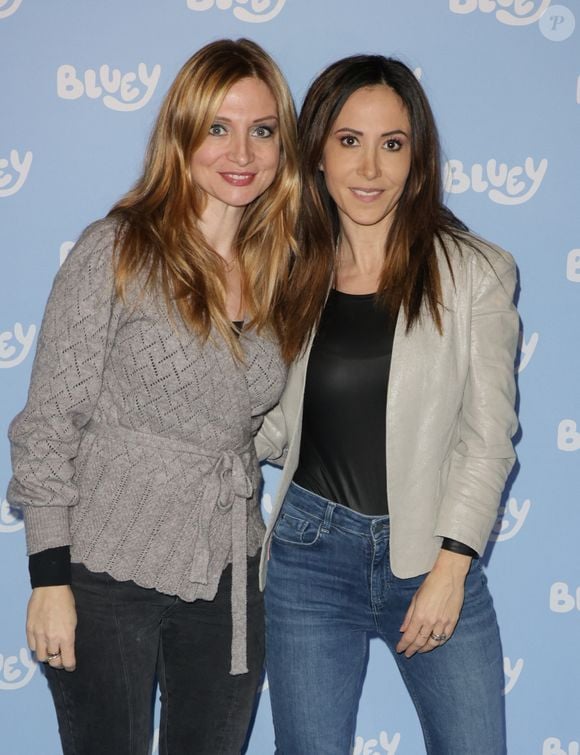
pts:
pixel 263 132
pixel 216 129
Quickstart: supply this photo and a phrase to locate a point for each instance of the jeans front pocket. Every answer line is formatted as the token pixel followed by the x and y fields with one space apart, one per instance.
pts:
pixel 293 529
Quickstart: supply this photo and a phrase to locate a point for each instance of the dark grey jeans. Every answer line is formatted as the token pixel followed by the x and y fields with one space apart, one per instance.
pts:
pixel 128 637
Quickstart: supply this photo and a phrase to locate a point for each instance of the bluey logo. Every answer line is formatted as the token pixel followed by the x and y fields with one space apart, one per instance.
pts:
pixel 16 671
pixel 11 355
pixel 554 746
pixel 568 436
pixel 504 185
pixel 12 180
pixel 573 266
pixel 562 600
pixel 64 250
pixel 8 7
pixel 122 92
pixel 9 522
pixel 510 12
pixel 369 747
pixel 512 673
pixel 511 518
pixel 526 350
pixel 260 10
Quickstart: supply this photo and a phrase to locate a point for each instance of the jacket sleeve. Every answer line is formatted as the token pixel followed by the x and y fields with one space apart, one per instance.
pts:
pixel 483 455
pixel 271 440
pixel 74 341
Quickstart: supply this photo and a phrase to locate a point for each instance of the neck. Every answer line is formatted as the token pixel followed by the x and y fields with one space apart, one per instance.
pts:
pixel 362 248
pixel 219 224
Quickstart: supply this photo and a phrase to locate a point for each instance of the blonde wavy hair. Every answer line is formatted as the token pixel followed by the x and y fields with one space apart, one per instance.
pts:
pixel 159 232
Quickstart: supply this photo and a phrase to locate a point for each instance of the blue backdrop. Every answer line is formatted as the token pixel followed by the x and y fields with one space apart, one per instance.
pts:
pixel 80 83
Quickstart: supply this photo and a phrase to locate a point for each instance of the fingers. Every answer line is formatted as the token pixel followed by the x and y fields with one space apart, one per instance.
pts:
pixel 50 627
pixel 67 650
pixel 408 616
pixel 57 652
pixel 415 637
pixel 420 638
pixel 438 635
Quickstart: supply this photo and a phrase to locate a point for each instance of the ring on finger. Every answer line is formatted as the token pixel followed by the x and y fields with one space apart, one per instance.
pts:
pixel 438 637
pixel 52 656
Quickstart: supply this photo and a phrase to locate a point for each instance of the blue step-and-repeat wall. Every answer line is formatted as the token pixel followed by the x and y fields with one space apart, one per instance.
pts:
pixel 80 83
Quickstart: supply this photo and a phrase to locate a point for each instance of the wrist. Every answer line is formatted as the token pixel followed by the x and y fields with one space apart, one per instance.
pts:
pixel 455 564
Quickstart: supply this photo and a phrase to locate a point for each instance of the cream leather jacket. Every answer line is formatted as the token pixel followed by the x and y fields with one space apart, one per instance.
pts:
pixel 450 414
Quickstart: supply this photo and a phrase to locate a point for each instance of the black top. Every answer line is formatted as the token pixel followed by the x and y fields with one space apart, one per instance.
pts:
pixel 343 449
pixel 343 445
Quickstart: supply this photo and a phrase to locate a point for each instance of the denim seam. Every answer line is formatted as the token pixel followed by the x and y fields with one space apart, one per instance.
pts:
pixel 64 697
pixel 125 676
pixel 164 739
pixel 420 712
pixel 309 517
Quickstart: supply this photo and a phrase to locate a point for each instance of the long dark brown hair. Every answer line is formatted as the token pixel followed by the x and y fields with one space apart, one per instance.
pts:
pixel 410 276
pixel 159 229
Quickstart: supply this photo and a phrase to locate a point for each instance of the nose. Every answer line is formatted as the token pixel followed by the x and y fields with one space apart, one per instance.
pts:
pixel 241 149
pixel 369 163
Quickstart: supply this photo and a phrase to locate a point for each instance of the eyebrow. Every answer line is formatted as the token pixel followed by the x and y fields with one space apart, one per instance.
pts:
pixel 257 120
pixel 361 133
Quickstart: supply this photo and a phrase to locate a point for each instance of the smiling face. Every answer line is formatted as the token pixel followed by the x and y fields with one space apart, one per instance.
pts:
pixel 367 157
pixel 239 157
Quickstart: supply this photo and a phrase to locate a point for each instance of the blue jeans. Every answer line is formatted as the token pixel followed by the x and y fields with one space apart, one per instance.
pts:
pixel 329 587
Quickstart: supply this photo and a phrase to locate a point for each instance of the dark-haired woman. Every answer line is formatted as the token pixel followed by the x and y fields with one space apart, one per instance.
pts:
pixel 395 427
pixel 134 455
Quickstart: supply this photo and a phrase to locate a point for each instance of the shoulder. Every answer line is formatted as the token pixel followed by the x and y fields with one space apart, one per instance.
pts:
pixel 474 257
pixel 95 246
pixel 89 270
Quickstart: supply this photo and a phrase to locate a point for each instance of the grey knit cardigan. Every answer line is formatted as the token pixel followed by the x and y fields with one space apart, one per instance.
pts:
pixel 135 446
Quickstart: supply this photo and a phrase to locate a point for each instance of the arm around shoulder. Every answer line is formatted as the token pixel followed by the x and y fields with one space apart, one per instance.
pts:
pixel 271 440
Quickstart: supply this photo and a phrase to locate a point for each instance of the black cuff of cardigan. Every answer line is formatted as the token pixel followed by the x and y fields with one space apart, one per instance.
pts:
pixel 50 567
pixel 455 546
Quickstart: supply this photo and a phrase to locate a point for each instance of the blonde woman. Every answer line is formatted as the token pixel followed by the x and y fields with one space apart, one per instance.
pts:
pixel 133 458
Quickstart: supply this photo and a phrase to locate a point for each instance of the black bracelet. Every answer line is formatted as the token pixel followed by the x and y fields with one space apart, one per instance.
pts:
pixel 455 546
pixel 50 567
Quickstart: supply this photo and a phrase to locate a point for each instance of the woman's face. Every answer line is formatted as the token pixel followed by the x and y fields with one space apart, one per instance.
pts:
pixel 239 157
pixel 367 157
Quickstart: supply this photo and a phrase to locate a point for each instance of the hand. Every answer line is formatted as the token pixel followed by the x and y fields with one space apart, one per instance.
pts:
pixel 51 624
pixel 436 605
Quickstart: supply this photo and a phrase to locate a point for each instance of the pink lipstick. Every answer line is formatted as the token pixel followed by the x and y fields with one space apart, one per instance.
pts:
pixel 238 179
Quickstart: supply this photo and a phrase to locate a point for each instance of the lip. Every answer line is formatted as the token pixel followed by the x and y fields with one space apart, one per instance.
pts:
pixel 238 179
pixel 366 195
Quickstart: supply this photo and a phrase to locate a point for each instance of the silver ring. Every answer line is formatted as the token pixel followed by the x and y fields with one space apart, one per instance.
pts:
pixel 52 656
pixel 438 637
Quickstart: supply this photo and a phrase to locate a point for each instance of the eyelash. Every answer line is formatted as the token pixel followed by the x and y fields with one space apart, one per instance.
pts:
pixel 398 142
pixel 394 141
pixel 217 129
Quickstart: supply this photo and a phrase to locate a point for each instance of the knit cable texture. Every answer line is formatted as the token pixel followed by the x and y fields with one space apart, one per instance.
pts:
pixel 135 445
